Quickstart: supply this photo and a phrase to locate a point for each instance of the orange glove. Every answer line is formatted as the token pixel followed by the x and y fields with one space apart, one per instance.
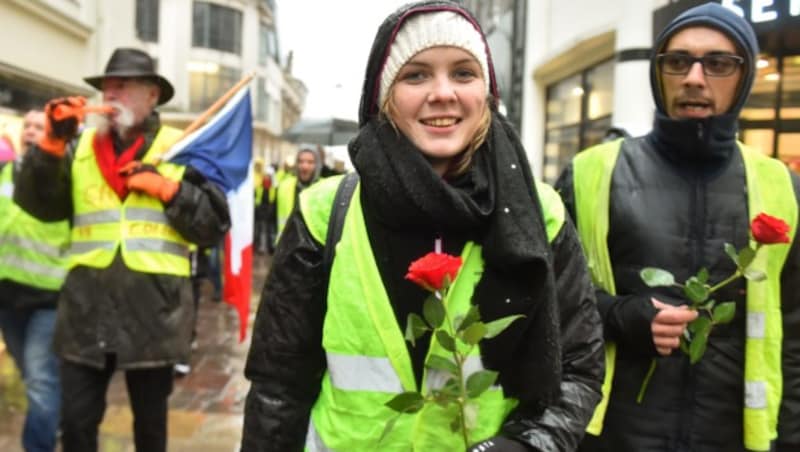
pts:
pixel 145 178
pixel 63 115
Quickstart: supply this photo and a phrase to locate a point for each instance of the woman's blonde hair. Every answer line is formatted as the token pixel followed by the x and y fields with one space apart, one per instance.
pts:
pixel 388 111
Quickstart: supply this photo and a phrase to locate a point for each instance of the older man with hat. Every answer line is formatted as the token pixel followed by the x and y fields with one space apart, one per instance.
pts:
pixel 126 302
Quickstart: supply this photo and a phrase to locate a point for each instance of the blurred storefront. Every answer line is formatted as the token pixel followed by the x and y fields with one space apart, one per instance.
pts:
pixel 588 65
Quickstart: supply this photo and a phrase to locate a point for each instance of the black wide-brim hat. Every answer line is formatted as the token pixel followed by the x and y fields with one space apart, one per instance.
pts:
pixel 128 63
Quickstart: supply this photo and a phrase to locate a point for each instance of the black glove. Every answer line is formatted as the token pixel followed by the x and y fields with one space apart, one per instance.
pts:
pixel 627 320
pixel 499 444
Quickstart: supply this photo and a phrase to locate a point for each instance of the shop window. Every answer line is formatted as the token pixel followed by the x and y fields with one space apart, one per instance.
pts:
pixel 209 81
pixel 147 20
pixel 789 148
pixel 770 121
pixel 759 139
pixel 216 27
pixel 790 96
pixel 760 105
pixel 578 116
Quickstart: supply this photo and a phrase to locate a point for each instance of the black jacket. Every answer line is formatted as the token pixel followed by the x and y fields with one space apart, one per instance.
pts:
pixel 686 407
pixel 286 360
pixel 144 318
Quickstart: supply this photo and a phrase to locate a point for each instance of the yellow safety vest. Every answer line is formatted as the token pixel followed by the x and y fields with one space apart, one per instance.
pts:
pixel 286 197
pixel 367 359
pixel 31 251
pixel 770 190
pixel 136 226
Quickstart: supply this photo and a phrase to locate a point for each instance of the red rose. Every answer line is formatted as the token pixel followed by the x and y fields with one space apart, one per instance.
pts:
pixel 767 229
pixel 429 270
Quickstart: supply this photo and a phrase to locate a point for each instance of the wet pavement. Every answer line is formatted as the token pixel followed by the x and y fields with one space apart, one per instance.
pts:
pixel 205 406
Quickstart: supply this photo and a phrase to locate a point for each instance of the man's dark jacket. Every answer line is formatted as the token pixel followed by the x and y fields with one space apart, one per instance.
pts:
pixel 677 196
pixel 145 319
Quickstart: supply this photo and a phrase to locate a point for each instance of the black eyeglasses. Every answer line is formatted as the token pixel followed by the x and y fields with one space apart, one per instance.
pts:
pixel 714 65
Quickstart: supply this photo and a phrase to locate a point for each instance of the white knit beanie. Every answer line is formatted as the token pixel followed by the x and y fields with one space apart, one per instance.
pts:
pixel 425 30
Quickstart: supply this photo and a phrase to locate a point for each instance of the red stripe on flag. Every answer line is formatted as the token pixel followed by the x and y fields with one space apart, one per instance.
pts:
pixel 237 287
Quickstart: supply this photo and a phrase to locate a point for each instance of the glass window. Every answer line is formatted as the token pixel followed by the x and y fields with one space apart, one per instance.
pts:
pixel 578 116
pixel 217 27
pixel 789 148
pixel 268 44
pixel 600 84
pixel 790 98
pixel 561 144
pixel 564 102
pixel 760 139
pixel 262 100
pixel 209 81
pixel 147 20
pixel 761 103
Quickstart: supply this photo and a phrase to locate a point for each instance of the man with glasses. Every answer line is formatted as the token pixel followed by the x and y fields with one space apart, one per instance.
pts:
pixel 672 199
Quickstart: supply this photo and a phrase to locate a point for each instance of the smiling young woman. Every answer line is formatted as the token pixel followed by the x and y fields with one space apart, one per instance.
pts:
pixel 441 171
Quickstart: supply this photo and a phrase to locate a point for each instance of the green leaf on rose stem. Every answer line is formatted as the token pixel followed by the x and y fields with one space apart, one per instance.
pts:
pixel 388 427
pixel 479 382
pixel 655 277
pixel 753 274
pixel 702 275
pixel 699 324
pixel 407 402
pixel 724 312
pixel 685 342
pixel 455 424
pixel 709 304
pixel 496 327
pixel 730 250
pixel 746 256
pixel 698 346
pixel 433 310
pixel 695 290
pixel 474 333
pixel 446 340
pixel 415 328
pixel 442 363
pixel 451 389
pixel 473 315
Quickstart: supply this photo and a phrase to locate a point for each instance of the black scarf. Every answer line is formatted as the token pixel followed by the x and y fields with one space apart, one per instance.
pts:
pixel 495 200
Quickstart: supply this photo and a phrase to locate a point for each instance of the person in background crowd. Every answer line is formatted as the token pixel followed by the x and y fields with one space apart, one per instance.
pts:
pixel 672 199
pixel 126 302
pixel 325 170
pixel 260 206
pixel 307 167
pixel 32 270
pixel 441 170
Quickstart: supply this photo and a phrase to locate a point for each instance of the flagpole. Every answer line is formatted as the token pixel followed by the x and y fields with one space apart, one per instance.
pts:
pixel 216 106
pixel 206 115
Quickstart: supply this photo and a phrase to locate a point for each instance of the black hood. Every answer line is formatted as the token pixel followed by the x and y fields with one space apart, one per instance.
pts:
pixel 383 41
pixel 702 146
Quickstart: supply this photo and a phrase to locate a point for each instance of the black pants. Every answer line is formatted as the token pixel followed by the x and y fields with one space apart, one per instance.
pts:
pixel 83 403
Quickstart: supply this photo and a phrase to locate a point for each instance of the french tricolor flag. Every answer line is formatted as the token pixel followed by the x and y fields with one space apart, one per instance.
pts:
pixel 222 150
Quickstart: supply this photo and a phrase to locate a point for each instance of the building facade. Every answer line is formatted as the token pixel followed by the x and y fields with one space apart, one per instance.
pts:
pixel 202 46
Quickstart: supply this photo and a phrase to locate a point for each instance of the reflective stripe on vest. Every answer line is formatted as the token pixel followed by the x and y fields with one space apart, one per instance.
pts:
pixel 286 197
pixel 137 226
pixel 368 360
pixel 31 251
pixel 770 190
